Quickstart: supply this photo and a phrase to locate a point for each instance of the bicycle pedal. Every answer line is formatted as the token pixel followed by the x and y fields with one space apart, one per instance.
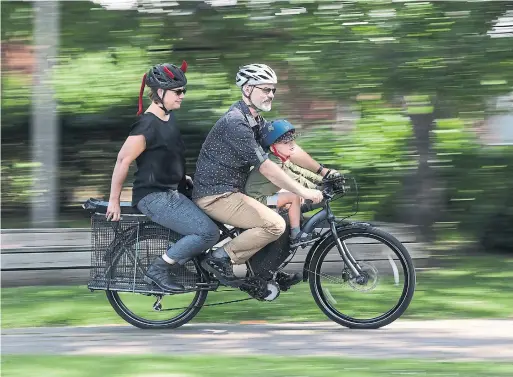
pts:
pixel 304 243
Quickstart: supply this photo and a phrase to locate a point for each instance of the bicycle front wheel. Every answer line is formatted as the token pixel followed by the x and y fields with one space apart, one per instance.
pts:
pixel 380 296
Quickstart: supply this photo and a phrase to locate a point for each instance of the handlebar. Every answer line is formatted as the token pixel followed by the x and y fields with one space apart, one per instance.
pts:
pixel 308 206
pixel 331 187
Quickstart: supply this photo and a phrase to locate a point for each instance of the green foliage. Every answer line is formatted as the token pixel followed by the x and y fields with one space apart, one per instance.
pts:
pixel 375 152
pixel 417 57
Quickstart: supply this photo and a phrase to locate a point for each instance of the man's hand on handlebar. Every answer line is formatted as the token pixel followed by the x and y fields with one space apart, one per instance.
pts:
pixel 314 195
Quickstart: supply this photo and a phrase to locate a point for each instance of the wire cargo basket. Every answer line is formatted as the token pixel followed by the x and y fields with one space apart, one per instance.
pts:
pixel 121 252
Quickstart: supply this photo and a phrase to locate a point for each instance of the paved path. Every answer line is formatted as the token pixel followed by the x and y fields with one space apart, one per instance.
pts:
pixel 443 340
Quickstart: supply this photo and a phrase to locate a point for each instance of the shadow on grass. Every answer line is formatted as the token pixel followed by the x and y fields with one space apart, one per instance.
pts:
pixel 474 287
pixel 142 366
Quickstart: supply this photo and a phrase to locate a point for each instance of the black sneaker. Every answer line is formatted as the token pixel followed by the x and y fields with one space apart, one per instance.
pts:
pixel 222 269
pixel 180 271
pixel 182 274
pixel 303 239
pixel 285 280
pixel 160 274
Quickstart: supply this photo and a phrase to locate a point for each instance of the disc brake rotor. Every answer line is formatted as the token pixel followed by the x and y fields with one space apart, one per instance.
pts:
pixel 371 278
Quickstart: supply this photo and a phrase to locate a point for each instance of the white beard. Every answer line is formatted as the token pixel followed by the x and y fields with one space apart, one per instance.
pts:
pixel 265 106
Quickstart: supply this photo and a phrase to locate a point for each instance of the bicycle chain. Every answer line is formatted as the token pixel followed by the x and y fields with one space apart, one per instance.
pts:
pixel 213 304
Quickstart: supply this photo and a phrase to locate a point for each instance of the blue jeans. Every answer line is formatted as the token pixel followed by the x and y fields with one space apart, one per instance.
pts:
pixel 176 212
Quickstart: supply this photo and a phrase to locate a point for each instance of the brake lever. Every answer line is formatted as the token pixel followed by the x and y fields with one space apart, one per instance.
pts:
pixel 327 195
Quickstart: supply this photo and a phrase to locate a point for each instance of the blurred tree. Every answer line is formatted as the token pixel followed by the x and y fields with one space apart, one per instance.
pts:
pixel 425 61
pixel 44 123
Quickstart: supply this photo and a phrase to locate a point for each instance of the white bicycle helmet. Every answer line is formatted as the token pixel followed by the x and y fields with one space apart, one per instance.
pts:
pixel 255 74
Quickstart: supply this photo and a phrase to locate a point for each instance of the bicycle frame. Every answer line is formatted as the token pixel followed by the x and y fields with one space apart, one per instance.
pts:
pixel 327 214
pixel 118 247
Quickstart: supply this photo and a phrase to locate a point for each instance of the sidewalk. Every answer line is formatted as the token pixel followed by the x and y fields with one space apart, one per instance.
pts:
pixel 455 340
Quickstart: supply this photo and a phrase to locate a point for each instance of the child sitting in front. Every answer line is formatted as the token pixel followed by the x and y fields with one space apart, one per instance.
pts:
pixel 278 138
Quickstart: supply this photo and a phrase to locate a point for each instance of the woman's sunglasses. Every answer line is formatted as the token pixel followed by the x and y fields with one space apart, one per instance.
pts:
pixel 179 91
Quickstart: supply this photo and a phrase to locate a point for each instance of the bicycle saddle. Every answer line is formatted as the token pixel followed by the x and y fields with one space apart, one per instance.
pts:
pixel 100 206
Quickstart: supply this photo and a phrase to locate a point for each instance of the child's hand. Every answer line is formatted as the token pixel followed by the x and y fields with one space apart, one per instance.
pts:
pixel 332 173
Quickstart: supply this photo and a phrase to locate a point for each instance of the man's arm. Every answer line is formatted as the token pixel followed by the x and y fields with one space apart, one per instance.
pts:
pixel 304 160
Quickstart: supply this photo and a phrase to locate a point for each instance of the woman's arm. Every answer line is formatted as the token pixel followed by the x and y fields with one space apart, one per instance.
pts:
pixel 131 149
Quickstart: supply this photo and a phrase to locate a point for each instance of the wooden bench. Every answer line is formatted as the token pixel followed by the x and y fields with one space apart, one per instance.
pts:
pixel 63 256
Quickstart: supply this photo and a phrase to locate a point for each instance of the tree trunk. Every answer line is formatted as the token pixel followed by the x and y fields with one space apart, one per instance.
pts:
pixel 44 124
pixel 424 195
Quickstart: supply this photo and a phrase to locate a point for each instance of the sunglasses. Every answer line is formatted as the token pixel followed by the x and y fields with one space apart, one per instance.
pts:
pixel 267 90
pixel 179 91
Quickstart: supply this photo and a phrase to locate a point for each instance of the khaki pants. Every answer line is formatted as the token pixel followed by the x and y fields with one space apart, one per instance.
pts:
pixel 263 224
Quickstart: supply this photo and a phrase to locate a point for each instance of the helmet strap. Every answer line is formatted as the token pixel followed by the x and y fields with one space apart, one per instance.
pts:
pixel 161 100
pixel 251 104
pixel 278 154
pixel 158 98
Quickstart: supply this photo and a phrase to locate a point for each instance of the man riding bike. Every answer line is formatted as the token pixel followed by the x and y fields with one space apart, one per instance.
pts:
pixel 226 157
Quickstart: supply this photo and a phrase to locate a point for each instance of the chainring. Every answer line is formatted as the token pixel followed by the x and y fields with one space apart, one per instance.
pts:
pixel 260 289
pixel 274 290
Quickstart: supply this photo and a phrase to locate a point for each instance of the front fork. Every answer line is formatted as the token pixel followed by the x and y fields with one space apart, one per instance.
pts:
pixel 355 268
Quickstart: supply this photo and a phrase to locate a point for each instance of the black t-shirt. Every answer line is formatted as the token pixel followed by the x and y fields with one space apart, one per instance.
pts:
pixel 161 166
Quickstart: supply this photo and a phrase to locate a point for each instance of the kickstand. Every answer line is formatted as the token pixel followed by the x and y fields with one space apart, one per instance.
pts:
pixel 157 306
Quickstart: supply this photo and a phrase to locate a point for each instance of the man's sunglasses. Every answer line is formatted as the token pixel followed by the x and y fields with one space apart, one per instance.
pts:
pixel 267 90
pixel 179 91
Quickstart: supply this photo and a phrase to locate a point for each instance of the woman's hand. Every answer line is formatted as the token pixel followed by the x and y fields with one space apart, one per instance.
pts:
pixel 113 211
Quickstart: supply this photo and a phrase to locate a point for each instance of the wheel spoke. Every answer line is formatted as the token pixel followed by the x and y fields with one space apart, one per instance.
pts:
pixel 149 310
pixel 382 292
pixel 329 277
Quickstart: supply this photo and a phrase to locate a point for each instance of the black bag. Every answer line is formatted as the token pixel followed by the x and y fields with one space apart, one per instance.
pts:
pixel 269 258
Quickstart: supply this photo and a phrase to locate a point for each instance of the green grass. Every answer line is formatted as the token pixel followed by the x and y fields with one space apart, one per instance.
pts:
pixel 169 366
pixel 479 287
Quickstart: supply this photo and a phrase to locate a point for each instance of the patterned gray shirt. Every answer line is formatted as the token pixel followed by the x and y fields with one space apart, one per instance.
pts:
pixel 228 153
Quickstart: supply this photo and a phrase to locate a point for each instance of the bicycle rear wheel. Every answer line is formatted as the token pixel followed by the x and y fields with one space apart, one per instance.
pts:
pixel 141 304
pixel 389 279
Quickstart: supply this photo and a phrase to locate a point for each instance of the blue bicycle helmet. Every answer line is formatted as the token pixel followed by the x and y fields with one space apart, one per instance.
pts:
pixel 279 130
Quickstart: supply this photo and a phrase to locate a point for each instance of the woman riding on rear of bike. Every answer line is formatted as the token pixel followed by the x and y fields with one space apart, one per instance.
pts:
pixel 155 143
